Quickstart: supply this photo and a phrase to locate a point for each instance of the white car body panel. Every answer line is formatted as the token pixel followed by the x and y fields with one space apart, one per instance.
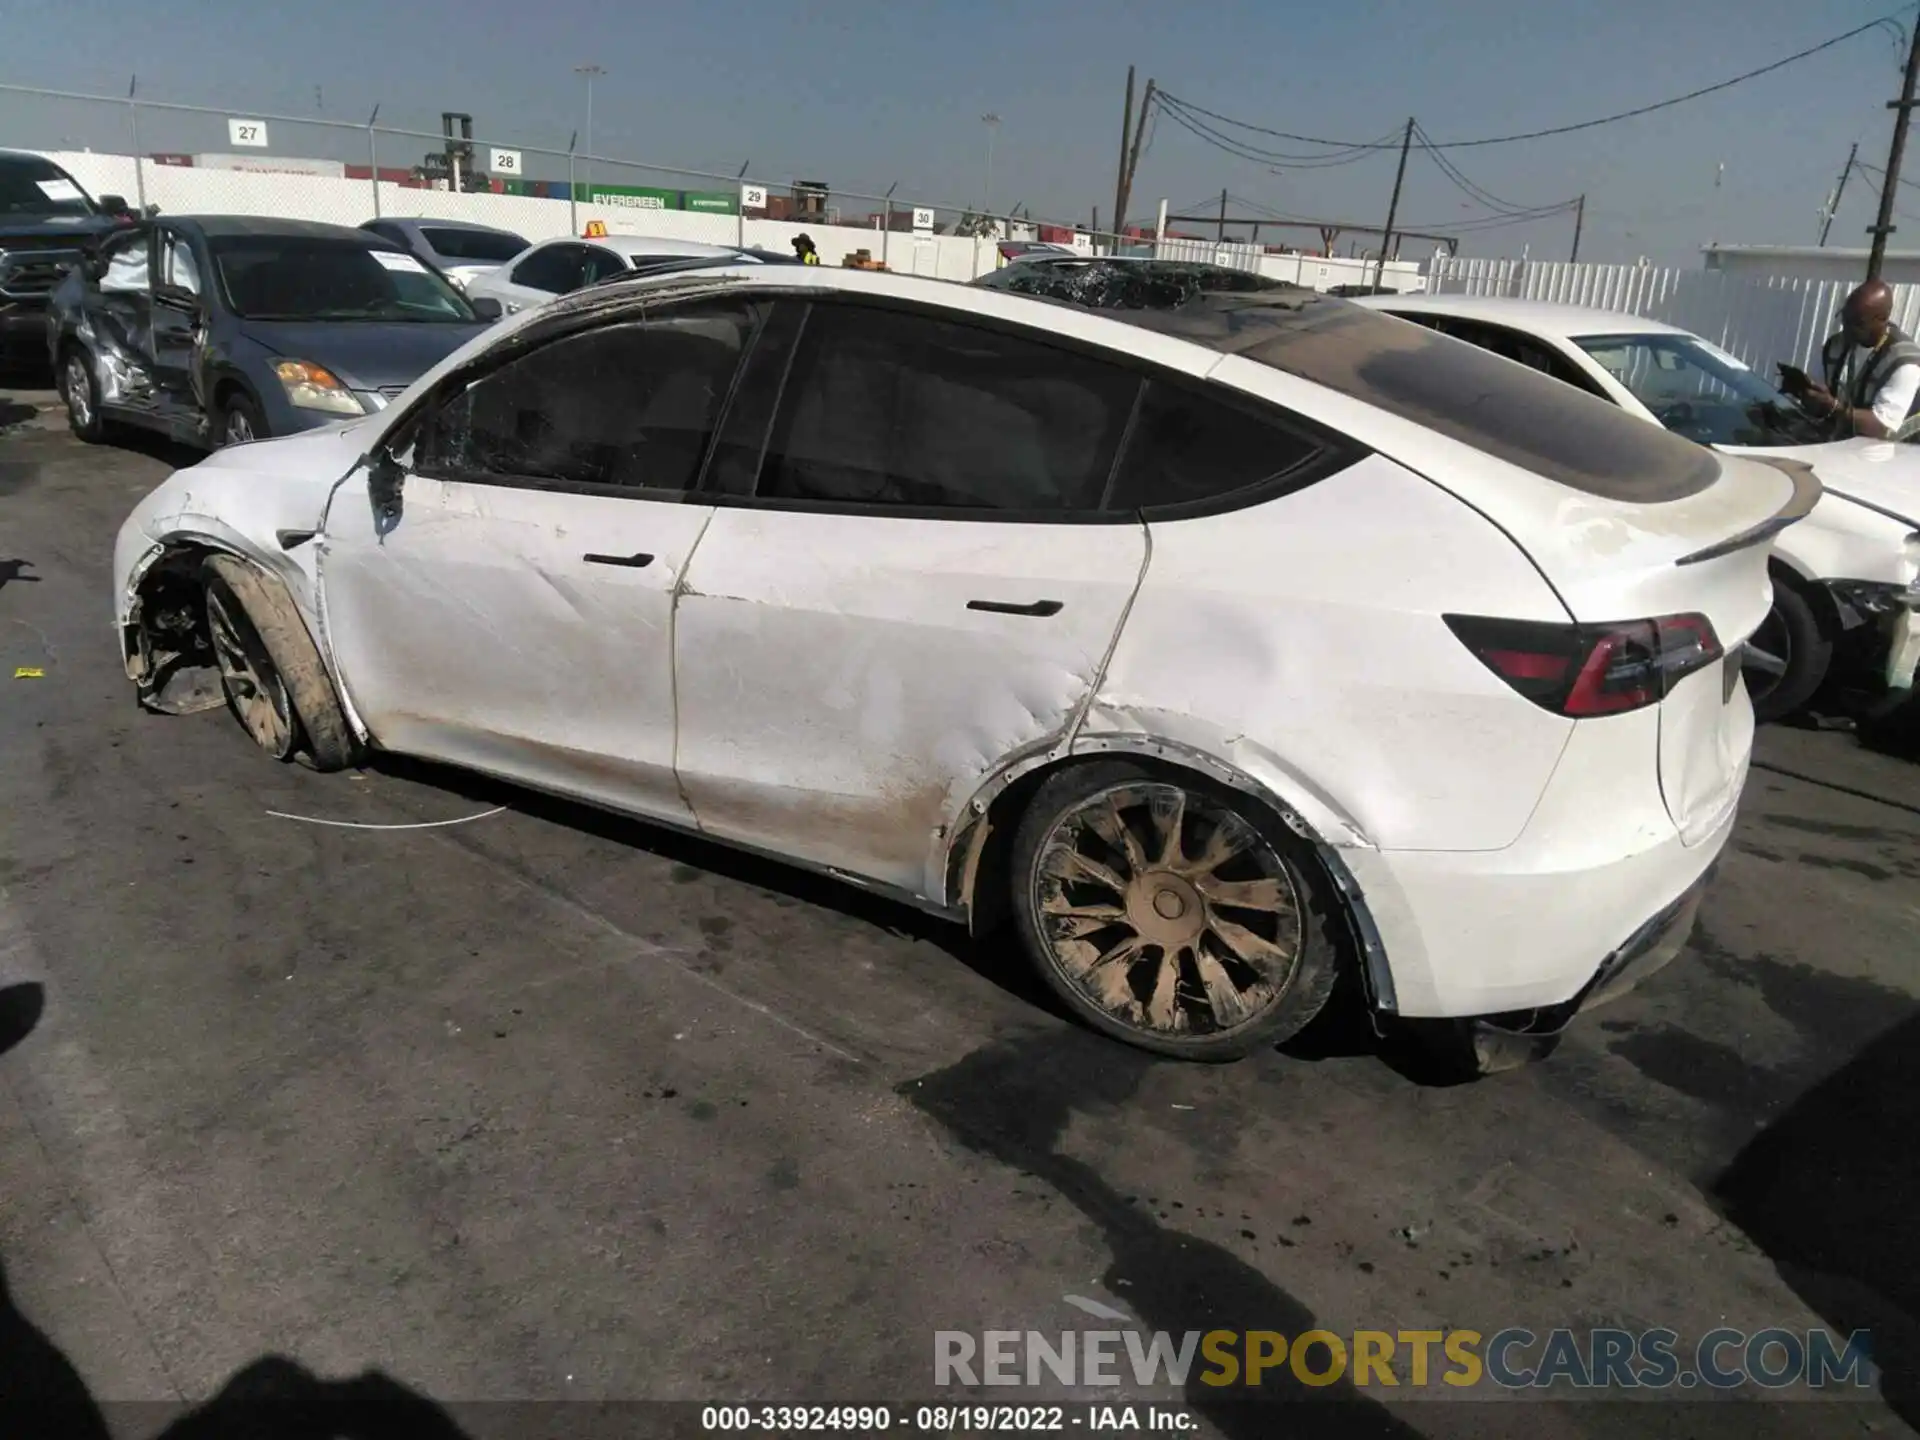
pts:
pixel 477 632
pixel 1260 636
pixel 839 700
pixel 816 685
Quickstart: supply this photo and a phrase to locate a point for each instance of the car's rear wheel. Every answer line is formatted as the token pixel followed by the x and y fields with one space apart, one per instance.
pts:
pixel 81 392
pixel 271 671
pixel 1170 913
pixel 1787 658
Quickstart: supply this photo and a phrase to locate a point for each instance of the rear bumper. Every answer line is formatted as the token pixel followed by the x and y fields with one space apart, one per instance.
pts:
pixel 1569 915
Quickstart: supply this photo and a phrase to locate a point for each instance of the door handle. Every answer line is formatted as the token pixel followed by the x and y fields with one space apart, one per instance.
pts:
pixel 1005 607
pixel 633 562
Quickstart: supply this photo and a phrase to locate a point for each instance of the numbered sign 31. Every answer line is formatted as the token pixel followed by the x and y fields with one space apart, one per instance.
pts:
pixel 505 162
pixel 247 132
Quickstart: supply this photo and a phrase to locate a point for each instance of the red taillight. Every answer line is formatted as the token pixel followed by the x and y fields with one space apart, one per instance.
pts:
pixel 1587 670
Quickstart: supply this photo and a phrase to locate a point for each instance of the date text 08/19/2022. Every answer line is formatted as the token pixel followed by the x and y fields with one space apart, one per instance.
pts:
pixel 862 1420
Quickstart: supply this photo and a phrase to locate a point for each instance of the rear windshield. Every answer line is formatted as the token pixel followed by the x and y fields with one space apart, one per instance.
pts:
pixel 482 245
pixel 282 277
pixel 1466 393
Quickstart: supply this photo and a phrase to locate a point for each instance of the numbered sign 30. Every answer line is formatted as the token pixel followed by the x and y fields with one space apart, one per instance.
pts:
pixel 247 132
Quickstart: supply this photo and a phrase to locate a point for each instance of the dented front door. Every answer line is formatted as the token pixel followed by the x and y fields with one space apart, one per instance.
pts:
pixel 846 681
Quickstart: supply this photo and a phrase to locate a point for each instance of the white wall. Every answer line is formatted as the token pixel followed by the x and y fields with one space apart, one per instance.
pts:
pixel 1837 266
pixel 186 190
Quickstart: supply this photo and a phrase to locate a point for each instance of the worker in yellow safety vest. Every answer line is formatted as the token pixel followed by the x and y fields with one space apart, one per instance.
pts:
pixel 803 248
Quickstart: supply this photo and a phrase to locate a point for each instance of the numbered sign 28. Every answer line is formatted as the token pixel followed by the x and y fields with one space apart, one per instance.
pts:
pixel 247 132
pixel 506 162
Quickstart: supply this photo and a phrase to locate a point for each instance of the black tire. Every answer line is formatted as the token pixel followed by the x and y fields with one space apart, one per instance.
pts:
pixel 238 409
pixel 283 654
pixel 1791 626
pixel 1172 1004
pixel 76 375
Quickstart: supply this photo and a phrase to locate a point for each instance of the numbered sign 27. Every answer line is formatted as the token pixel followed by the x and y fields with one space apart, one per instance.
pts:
pixel 252 133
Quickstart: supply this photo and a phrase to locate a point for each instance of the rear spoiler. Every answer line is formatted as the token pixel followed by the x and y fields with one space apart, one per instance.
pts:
pixel 1806 494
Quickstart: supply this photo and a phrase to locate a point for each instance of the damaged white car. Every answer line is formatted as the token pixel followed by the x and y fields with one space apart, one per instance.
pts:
pixel 1220 647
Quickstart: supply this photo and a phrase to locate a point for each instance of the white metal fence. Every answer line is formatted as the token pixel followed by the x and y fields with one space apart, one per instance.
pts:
pixel 1762 321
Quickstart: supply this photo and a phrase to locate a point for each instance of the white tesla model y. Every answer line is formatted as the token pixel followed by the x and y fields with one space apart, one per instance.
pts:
pixel 1217 645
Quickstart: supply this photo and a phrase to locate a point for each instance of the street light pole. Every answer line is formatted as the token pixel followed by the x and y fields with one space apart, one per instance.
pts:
pixel 992 122
pixel 589 71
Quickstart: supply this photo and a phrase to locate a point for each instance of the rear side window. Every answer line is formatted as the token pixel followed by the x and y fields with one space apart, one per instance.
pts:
pixel 892 409
pixel 481 245
pixel 1188 449
pixel 1505 410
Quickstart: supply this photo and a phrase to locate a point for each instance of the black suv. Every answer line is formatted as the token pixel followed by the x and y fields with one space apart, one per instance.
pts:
pixel 47 223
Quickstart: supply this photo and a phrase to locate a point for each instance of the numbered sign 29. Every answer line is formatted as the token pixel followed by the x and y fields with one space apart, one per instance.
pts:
pixel 505 162
pixel 753 197
pixel 247 132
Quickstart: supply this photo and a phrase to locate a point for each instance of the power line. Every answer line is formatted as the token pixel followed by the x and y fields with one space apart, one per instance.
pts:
pixel 1347 155
pixel 1617 116
pixel 1469 188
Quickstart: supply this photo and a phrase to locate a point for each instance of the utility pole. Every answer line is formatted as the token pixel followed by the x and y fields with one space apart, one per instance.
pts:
pixel 590 72
pixel 1393 203
pixel 1579 219
pixel 1903 111
pixel 1223 218
pixel 1839 189
pixel 1126 135
pixel 1133 159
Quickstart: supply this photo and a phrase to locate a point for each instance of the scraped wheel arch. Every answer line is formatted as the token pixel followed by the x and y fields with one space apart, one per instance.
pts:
pixel 330 743
pixel 979 860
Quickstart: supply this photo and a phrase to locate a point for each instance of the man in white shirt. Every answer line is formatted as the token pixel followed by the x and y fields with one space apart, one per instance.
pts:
pixel 1872 369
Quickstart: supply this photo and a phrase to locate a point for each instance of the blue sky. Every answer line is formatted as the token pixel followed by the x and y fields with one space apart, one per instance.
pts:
pixel 863 94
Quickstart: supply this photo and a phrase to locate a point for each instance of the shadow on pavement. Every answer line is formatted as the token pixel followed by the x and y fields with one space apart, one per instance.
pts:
pixel 1013 1101
pixel 42 1396
pixel 1827 1191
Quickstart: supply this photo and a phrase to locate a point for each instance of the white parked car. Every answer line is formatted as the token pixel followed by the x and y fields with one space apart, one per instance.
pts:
pixel 1846 582
pixel 1223 647
pixel 560 267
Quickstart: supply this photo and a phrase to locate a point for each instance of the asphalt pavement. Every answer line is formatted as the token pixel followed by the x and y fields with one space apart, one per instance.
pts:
pixel 547 1106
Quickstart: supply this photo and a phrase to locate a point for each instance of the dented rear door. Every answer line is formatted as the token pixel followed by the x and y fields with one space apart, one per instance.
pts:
pixel 910 584
pixel 846 681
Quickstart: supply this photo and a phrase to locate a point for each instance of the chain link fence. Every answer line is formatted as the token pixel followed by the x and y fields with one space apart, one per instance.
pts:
pixel 191 159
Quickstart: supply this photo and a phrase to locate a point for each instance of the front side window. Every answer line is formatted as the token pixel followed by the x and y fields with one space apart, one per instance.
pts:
pixel 630 406
pixel 555 269
pixel 1188 449
pixel 285 277
pixel 128 271
pixel 181 270
pixel 600 263
pixel 1700 391
pixel 890 408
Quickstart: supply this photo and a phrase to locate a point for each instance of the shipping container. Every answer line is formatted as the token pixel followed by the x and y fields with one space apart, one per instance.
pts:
pixel 272 165
pixel 710 202
pixel 171 159
pixel 628 197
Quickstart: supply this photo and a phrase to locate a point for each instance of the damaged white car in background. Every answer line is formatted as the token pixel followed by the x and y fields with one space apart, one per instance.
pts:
pixel 1219 647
